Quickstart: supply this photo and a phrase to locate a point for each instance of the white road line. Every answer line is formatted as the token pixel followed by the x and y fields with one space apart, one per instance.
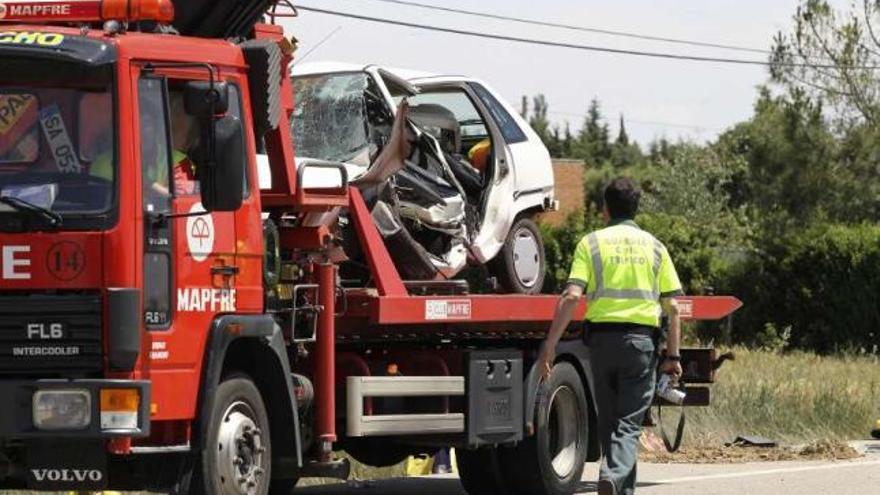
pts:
pixel 743 474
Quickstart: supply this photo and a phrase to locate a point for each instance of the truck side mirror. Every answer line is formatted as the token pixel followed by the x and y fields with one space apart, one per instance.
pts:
pixel 222 176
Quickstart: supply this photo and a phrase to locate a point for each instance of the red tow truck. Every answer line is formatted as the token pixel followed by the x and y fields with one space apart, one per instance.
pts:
pixel 167 325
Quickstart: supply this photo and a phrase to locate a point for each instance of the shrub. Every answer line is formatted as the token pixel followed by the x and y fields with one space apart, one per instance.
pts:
pixel 559 244
pixel 823 284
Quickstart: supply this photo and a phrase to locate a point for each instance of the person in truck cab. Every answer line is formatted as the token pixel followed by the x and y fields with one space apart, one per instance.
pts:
pixel 184 136
pixel 629 279
pixel 97 135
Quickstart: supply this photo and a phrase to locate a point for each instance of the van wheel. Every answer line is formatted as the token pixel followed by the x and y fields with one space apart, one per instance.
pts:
pixel 521 265
pixel 236 459
pixel 558 449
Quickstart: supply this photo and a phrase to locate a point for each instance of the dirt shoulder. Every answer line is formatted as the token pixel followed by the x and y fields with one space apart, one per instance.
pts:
pixel 822 450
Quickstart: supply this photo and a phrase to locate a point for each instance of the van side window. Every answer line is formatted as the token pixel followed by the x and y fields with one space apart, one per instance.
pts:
pixel 509 128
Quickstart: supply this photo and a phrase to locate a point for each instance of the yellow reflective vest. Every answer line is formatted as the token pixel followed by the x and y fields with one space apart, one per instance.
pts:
pixel 625 271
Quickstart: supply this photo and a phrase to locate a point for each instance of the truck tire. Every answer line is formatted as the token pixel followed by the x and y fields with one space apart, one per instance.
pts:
pixel 521 264
pixel 377 454
pixel 282 487
pixel 556 454
pixel 480 471
pixel 236 458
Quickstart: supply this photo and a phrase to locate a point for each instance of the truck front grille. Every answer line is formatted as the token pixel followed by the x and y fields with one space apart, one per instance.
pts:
pixel 50 334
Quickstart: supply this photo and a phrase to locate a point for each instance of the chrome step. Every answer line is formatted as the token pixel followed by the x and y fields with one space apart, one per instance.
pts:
pixel 360 387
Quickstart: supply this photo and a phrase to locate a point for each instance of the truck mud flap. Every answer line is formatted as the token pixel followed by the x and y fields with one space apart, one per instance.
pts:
pixel 66 465
pixel 495 397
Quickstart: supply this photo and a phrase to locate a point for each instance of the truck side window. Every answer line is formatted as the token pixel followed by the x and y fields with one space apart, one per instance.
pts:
pixel 235 111
pixel 154 145
pixel 155 165
pixel 185 137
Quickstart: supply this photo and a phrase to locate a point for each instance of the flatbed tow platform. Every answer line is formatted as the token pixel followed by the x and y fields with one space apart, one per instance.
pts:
pixel 485 313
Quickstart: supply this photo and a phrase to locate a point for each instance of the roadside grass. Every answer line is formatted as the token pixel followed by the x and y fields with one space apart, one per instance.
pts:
pixel 792 397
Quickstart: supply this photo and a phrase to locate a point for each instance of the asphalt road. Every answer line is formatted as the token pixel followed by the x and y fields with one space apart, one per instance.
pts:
pixel 859 477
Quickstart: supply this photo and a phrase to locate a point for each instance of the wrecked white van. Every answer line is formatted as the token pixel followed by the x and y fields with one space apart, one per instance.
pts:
pixel 452 175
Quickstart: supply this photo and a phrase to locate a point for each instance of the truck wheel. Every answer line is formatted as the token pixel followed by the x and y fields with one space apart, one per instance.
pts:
pixel 236 459
pixel 520 265
pixel 282 487
pixel 559 447
pixel 373 453
pixel 479 471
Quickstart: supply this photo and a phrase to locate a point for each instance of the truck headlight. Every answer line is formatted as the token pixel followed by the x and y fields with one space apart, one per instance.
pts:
pixel 62 409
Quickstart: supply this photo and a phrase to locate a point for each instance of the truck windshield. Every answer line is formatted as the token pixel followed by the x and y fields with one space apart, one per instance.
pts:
pixel 339 117
pixel 57 143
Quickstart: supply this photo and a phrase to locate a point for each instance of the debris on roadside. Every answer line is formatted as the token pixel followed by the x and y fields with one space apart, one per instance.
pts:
pixel 752 441
pixel 733 454
pixel 829 449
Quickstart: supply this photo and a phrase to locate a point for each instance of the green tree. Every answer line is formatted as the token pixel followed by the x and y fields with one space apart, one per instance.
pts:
pixel 660 149
pixel 686 205
pixel 622 136
pixel 567 142
pixel 625 153
pixel 797 170
pixel 537 117
pixel 592 144
pixel 832 56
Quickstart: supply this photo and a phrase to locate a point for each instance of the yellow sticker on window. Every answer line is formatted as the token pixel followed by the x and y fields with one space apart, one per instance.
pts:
pixel 31 38
pixel 17 111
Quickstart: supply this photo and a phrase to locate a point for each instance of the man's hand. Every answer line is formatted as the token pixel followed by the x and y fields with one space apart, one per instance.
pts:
pixel 545 364
pixel 671 367
pixel 564 310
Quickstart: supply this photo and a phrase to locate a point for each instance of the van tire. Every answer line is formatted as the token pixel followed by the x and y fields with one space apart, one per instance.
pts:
pixel 521 265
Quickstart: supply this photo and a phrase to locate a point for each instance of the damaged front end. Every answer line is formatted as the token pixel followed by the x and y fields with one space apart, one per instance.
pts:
pixel 415 196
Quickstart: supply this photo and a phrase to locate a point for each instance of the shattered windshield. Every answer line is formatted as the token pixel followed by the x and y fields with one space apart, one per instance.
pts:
pixel 56 141
pixel 339 117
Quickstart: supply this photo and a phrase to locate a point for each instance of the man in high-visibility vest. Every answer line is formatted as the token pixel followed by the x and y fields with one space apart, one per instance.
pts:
pixel 629 280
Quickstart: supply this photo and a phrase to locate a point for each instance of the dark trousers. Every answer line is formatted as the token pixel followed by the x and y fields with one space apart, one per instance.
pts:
pixel 623 359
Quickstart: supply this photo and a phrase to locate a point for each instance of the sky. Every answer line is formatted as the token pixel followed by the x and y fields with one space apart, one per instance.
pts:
pixel 668 98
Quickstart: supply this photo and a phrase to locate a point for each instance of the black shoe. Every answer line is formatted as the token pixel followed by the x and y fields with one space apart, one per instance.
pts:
pixel 606 487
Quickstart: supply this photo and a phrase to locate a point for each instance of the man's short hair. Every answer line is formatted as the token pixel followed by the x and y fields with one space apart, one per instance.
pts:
pixel 622 198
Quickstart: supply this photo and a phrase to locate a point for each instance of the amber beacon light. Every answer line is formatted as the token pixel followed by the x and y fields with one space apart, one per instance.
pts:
pixel 87 11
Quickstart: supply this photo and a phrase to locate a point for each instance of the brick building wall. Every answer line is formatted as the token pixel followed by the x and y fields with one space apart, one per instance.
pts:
pixel 569 178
